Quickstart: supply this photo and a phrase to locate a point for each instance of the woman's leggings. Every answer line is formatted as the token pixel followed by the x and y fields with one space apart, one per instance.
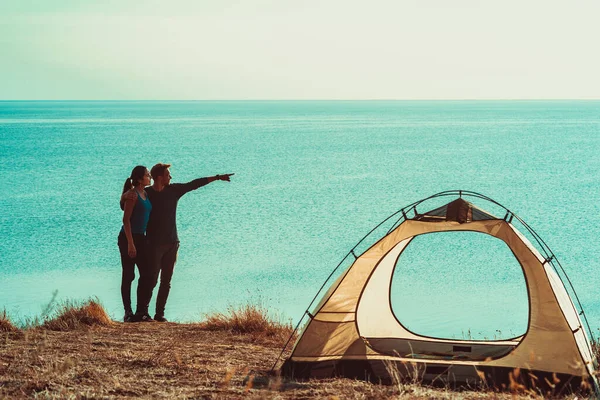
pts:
pixel 128 264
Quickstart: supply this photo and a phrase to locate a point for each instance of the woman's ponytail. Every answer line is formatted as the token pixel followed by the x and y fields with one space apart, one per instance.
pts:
pixel 137 175
pixel 128 185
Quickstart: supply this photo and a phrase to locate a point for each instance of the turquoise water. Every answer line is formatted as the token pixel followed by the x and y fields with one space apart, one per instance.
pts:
pixel 311 178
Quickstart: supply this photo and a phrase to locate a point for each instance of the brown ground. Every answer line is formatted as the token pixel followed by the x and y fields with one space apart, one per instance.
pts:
pixel 154 360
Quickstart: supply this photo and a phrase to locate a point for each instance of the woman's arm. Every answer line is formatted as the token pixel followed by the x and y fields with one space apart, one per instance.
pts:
pixel 128 195
pixel 129 204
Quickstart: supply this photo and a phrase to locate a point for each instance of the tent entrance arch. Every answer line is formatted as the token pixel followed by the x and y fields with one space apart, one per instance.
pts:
pixel 349 332
pixel 460 285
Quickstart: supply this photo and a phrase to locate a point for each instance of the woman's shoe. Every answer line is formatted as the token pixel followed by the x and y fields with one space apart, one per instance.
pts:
pixel 128 317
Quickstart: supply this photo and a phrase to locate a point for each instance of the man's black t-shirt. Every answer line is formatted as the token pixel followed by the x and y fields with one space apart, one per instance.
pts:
pixel 162 225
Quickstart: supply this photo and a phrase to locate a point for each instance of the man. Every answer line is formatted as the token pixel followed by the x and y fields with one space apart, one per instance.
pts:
pixel 162 234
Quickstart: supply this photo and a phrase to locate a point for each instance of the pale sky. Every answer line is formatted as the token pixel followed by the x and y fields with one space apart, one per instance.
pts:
pixel 302 49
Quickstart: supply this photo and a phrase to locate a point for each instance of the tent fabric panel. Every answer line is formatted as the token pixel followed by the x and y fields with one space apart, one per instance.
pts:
pixel 582 343
pixel 381 356
pixel 453 375
pixel 565 303
pixel 564 300
pixel 537 352
pixel 330 339
pixel 546 321
pixel 437 212
pixel 326 338
pixel 335 317
pixel 556 286
pixel 438 349
pixel 353 369
pixel 479 214
pixel 345 297
pixel 374 316
pixel 458 210
pixel 331 290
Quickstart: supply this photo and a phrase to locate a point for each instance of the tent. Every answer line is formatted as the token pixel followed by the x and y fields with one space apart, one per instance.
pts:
pixel 354 332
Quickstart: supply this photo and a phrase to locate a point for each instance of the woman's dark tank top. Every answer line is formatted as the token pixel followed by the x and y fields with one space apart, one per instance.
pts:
pixel 140 215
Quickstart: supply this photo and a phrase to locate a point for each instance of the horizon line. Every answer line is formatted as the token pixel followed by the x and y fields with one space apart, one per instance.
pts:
pixel 290 99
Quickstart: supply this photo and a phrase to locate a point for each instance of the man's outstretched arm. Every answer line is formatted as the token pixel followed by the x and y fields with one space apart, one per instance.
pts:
pixel 196 183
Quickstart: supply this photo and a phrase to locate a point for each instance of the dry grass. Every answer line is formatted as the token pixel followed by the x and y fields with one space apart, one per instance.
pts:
pixel 596 345
pixel 5 324
pixel 164 361
pixel 73 316
pixel 220 358
pixel 252 320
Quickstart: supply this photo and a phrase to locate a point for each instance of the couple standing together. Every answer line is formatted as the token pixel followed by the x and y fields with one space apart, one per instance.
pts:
pixel 148 237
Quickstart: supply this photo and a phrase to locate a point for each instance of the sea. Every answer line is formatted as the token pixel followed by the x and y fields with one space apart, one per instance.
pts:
pixel 311 179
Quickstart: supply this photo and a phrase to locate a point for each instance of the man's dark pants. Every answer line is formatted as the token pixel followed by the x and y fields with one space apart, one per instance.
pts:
pixel 162 259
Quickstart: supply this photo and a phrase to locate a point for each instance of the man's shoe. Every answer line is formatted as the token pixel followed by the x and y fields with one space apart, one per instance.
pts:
pixel 143 318
pixel 160 318
pixel 128 317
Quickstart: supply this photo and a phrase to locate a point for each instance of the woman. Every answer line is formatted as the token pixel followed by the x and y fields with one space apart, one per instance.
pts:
pixel 132 238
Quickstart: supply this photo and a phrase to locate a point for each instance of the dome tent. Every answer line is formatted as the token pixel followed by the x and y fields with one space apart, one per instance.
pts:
pixel 354 332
